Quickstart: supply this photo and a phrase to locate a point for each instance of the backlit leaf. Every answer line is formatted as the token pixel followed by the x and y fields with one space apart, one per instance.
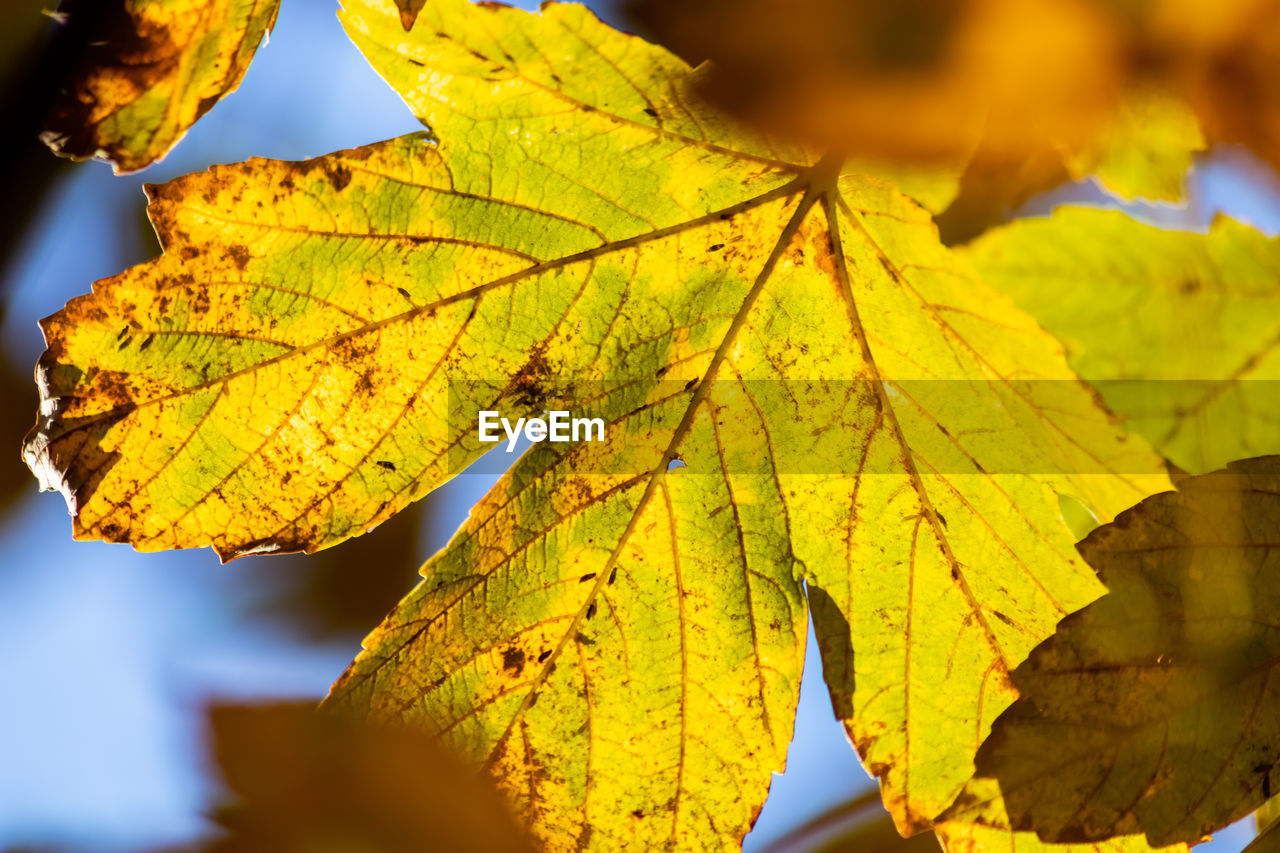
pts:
pixel 1151 709
pixel 1179 331
pixel 559 543
pixel 153 70
pixel 808 399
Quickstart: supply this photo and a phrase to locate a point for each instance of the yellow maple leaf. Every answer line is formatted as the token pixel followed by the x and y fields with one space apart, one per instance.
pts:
pixel 808 401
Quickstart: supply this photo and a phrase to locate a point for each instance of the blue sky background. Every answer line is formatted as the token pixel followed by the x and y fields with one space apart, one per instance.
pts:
pixel 109 657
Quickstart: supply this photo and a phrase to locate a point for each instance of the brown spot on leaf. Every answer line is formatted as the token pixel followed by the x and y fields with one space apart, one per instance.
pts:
pixel 339 176
pixel 112 532
pixel 355 349
pixel 239 256
pixel 513 661
pixel 529 388
pixel 206 104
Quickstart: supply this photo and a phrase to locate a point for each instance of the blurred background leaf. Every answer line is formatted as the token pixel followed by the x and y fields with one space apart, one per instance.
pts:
pixel 1149 711
pixel 1030 94
pixel 915 81
pixel 1179 331
pixel 339 594
pixel 1143 151
pixel 307 782
pixel 860 824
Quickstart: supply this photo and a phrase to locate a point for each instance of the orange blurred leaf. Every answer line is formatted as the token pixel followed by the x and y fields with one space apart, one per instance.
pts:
pixel 916 80
pixel 305 781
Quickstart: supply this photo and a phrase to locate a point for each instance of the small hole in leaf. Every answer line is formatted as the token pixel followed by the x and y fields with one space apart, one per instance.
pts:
pixel 1077 515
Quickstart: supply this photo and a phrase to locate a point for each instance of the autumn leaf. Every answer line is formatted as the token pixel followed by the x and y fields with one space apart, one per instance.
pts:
pixel 1148 711
pixel 808 399
pixel 1179 331
pixel 154 68
pixel 601 567
pixel 302 781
